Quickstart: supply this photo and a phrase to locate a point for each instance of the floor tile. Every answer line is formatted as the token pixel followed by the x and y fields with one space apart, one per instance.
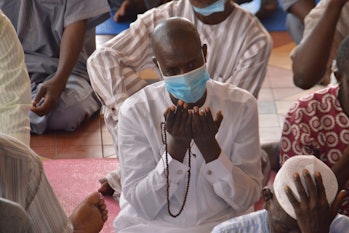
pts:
pixel 269 120
pixel 77 152
pixel 265 94
pixel 109 151
pixel 280 77
pixel 266 107
pixel 45 151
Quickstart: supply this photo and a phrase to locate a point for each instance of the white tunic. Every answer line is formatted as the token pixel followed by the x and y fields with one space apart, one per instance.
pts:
pixel 219 190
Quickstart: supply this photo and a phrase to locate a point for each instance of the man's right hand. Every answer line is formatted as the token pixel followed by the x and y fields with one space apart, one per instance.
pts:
pixel 178 127
pixel 129 10
pixel 313 212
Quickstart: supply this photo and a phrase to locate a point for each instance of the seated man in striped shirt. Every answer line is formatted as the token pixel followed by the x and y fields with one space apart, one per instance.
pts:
pixel 238 47
pixel 22 176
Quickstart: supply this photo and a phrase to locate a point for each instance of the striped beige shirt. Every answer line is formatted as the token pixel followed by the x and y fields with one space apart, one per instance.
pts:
pixel 14 84
pixel 238 53
pixel 22 178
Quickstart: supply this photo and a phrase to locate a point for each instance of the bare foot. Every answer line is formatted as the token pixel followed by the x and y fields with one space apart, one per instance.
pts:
pixel 105 188
pixel 90 215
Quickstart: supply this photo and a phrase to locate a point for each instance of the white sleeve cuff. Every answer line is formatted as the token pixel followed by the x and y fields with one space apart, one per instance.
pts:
pixel 176 168
pixel 216 169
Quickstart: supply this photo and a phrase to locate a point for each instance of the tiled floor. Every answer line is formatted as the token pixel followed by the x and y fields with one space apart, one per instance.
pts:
pixel 92 140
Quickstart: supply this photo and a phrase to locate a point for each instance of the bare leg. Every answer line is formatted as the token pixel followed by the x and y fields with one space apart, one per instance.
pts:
pixel 272 149
pixel 90 215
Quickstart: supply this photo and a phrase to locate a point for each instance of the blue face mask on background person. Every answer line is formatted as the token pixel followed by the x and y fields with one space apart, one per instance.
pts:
pixel 189 87
pixel 213 8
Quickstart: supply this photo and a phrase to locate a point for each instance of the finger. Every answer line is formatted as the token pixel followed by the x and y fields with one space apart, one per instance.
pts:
pixel 310 186
pixel 321 193
pixel 291 197
pixel 201 125
pixel 38 97
pixel 170 118
pixel 44 108
pixel 219 118
pixel 195 121
pixel 202 116
pixel 116 16
pixel 338 201
pixel 189 124
pixel 300 188
pixel 184 124
pixel 119 13
pixel 178 115
pixel 209 119
pixel 166 112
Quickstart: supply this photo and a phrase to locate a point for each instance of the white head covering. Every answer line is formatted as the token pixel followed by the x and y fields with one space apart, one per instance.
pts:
pixel 298 164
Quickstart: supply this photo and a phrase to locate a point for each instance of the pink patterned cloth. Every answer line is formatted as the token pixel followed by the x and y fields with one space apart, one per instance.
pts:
pixel 73 179
pixel 317 125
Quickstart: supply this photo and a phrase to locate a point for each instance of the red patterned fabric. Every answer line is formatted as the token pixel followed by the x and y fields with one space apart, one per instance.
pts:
pixel 317 125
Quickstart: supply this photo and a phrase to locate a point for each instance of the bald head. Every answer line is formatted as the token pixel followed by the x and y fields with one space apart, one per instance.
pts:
pixel 175 32
pixel 177 46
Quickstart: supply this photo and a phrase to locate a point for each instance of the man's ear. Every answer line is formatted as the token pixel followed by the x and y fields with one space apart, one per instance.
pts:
pixel 204 51
pixel 267 197
pixel 267 194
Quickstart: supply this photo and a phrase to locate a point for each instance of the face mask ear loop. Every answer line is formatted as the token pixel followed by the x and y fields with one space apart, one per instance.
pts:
pixel 159 67
pixel 203 55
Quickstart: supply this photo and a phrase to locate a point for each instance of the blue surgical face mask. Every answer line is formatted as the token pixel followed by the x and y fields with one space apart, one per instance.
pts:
pixel 213 8
pixel 189 87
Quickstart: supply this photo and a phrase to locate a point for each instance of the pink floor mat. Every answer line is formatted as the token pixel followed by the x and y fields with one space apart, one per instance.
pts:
pixel 73 179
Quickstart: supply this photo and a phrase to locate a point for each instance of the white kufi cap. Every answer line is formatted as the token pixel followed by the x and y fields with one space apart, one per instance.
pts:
pixel 298 164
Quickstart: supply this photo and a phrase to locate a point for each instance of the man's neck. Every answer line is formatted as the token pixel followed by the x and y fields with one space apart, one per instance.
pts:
pixel 218 17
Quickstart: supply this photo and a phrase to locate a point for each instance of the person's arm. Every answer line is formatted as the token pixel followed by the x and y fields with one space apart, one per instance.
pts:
pixel 51 90
pixel 204 129
pixel 240 167
pixel 310 58
pixel 301 8
pixel 114 68
pixel 178 128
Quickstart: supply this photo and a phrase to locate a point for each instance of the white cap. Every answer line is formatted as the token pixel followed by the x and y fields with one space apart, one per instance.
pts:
pixel 298 164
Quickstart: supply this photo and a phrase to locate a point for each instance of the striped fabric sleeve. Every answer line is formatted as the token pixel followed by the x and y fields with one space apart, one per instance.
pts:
pixel 23 181
pixel 14 84
pixel 113 69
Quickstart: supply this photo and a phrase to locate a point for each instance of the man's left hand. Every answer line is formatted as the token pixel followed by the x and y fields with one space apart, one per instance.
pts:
pixel 49 94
